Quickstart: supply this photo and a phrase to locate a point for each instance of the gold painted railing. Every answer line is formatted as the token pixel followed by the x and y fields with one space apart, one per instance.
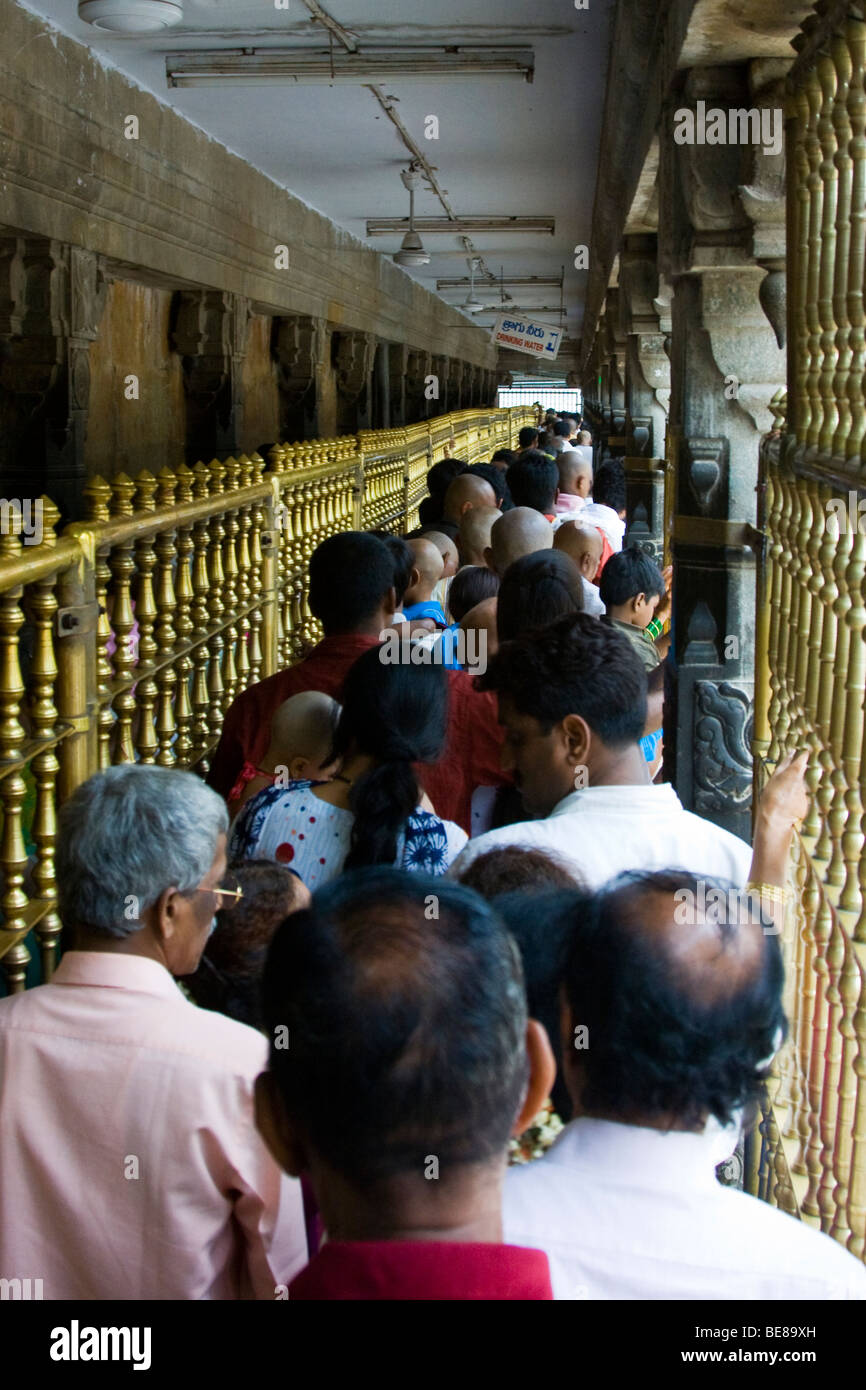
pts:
pixel 127 637
pixel 810 1157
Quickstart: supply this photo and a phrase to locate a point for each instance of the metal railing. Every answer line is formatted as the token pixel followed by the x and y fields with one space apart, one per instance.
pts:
pixel 810 1158
pixel 127 637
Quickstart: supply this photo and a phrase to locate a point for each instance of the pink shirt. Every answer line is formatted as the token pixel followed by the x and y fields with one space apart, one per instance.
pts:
pixel 131 1166
pixel 569 504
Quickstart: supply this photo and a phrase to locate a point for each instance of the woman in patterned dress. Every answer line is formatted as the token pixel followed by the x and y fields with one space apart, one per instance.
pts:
pixel 374 811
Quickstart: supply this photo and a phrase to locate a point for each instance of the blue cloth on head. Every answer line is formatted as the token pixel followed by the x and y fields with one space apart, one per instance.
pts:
pixel 649 743
pixel 429 609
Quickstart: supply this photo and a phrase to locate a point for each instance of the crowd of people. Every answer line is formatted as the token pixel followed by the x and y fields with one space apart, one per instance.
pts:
pixel 435 896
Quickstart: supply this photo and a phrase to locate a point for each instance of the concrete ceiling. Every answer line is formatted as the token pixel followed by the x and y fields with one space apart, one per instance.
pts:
pixel 505 147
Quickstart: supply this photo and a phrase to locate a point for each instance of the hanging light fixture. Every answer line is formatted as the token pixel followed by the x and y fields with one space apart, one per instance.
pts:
pixel 411 251
pixel 131 16
pixel 472 305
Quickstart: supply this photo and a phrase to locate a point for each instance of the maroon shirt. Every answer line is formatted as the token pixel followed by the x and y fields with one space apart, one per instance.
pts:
pixel 474 740
pixel 423 1269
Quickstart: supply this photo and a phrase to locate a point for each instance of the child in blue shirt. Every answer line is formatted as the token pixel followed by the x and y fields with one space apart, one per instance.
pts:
pixel 427 570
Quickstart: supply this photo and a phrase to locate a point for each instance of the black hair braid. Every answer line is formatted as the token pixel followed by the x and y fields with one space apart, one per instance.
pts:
pixel 381 802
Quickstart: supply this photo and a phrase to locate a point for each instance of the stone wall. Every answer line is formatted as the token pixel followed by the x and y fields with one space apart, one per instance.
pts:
pixel 243 315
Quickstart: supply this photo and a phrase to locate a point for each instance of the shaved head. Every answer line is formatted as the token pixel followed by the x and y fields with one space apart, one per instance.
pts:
pixel 519 532
pixel 427 569
pixel 474 536
pixel 467 491
pixel 305 723
pixel 583 543
pixel 575 474
pixel 447 549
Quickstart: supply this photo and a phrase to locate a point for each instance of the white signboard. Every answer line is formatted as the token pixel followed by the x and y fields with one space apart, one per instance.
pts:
pixel 525 335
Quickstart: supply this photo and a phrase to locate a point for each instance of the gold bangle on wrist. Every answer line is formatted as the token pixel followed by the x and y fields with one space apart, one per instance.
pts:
pixel 776 892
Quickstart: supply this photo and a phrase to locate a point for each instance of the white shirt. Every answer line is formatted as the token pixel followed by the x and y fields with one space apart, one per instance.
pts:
pixel 592 603
pixel 584 450
pixel 606 520
pixel 599 832
pixel 631 1213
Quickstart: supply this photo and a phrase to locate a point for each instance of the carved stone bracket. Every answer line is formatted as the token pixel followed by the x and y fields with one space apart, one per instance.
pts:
pixel 203 336
pixel 51 302
pixel 353 361
pixel 741 342
pixel 704 473
pixel 723 737
pixel 296 346
pixel 210 334
pixel 52 297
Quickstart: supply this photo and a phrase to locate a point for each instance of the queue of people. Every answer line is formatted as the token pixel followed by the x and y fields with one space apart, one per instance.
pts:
pixel 434 889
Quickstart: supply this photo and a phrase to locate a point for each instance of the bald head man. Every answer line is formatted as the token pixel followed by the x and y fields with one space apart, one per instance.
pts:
pixel 519 532
pixel 466 492
pixel 473 538
pixel 584 545
pixel 575 480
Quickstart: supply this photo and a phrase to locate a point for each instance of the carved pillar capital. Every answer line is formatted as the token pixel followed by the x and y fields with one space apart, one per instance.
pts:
pixel 202 335
pixel 353 361
pixel 297 342
pixel 209 333
pixel 52 296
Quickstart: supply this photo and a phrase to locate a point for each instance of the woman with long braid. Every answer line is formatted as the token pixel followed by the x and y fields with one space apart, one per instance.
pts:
pixel 394 716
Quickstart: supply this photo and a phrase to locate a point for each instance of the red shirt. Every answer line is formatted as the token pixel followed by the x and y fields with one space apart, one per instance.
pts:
pixel 423 1269
pixel 473 743
pixel 606 552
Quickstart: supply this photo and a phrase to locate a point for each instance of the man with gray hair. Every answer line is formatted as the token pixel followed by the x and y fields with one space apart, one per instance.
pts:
pixel 131 1164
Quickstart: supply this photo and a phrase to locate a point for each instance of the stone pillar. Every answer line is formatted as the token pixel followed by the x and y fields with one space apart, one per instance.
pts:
pixel 615 346
pixel 210 334
pixel 455 382
pixel 466 385
pixel 439 367
pixel 51 302
pixel 381 388
pixel 725 367
pixel 647 369
pixel 398 354
pixel 417 371
pixel 297 347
